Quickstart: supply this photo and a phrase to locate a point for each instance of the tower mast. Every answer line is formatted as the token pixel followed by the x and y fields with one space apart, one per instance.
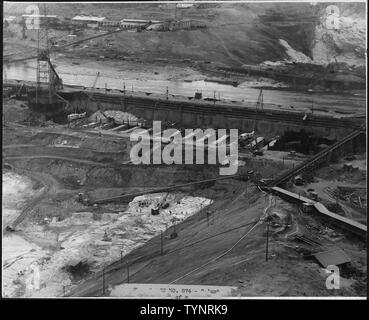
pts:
pixel 43 59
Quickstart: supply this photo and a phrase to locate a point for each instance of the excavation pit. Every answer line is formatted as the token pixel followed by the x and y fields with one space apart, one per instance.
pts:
pixel 78 167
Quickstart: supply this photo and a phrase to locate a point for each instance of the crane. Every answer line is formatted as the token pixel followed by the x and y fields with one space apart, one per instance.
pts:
pixel 46 72
pixel 90 94
pixel 95 81
pixel 260 102
pixel 259 105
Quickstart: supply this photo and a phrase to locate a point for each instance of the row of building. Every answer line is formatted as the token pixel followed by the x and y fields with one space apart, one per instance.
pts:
pixel 168 25
pixel 104 23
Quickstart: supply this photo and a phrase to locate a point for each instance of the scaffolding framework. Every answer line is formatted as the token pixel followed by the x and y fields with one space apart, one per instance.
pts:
pixel 46 74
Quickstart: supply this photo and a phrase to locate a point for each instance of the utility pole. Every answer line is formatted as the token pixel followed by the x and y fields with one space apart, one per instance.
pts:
pixel 124 88
pixel 312 105
pixel 167 93
pixel 262 99
pixel 267 240
pixel 103 281
pixel 43 60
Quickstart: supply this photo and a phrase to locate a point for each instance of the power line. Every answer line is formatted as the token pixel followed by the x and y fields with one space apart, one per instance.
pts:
pixel 218 257
pixel 210 237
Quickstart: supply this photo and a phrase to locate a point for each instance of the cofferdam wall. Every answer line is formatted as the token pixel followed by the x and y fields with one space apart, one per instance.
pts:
pixel 192 113
pixel 202 114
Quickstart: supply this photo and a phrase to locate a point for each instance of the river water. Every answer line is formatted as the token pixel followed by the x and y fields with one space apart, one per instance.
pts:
pixel 328 103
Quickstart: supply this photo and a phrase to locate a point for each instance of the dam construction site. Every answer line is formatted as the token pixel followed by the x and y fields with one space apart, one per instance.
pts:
pixel 81 218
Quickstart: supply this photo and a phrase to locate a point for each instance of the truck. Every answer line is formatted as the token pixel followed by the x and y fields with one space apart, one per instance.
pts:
pixel 247 135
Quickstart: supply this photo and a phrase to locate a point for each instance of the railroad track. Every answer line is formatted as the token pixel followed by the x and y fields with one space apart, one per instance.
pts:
pixel 164 189
pixel 48 184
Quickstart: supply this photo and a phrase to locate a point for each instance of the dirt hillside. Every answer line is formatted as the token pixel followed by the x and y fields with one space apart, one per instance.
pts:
pixel 236 34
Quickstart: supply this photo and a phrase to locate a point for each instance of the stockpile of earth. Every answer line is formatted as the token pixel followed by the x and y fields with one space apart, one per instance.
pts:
pixel 14 111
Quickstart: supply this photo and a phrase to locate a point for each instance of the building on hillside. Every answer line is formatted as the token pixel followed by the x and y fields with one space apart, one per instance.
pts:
pixel 109 24
pixel 184 5
pixel 185 25
pixel 88 21
pixel 128 23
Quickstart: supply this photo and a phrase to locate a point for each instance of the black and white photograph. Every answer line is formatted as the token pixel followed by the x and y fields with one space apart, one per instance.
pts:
pixel 182 150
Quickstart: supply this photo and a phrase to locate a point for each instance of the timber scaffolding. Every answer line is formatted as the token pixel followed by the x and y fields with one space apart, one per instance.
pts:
pixel 350 225
pixel 311 164
pixel 318 159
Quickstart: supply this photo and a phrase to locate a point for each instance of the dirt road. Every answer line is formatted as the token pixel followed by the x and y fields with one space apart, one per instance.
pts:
pixel 82 161
pixel 50 185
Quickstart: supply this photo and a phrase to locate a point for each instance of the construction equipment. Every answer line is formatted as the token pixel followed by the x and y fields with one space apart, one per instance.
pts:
pixel 95 81
pixel 47 77
pixel 130 197
pixel 337 67
pixel 174 233
pixel 45 70
pixel 90 94
pixel 198 95
pixel 82 198
pixel 317 159
pixel 20 90
pixel 260 102
pixel 258 153
pixel 247 135
pixel 106 237
pixel 48 81
pixel 74 43
pixel 163 204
